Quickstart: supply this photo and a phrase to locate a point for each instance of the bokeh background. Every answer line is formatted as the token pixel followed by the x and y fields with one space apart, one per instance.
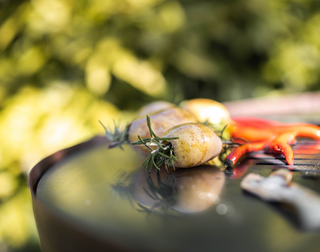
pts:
pixel 65 64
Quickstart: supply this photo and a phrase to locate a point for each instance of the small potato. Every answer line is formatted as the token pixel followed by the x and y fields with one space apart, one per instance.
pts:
pixel 160 123
pixel 206 109
pixel 196 144
pixel 154 107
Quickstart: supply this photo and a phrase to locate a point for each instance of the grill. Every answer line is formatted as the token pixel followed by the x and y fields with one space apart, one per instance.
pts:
pixel 73 203
pixel 306 157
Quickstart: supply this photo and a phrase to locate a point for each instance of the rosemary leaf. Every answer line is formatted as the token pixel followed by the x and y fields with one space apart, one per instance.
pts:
pixel 164 155
pixel 145 162
pixel 157 143
pixel 154 162
pixel 149 126
pixel 116 137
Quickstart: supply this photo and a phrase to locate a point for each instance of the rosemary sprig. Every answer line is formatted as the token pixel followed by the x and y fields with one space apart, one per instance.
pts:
pixel 163 154
pixel 208 124
pixel 225 141
pixel 216 129
pixel 224 128
pixel 116 137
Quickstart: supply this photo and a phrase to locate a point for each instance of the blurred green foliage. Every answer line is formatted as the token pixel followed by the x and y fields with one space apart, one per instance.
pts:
pixel 130 50
pixel 65 64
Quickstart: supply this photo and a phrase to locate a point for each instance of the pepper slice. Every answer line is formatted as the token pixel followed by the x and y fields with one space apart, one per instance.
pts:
pixel 281 144
pixel 238 152
pixel 261 133
pixel 255 122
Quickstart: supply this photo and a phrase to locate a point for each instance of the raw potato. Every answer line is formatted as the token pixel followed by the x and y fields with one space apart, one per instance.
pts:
pixel 196 144
pixel 160 123
pixel 206 109
pixel 154 107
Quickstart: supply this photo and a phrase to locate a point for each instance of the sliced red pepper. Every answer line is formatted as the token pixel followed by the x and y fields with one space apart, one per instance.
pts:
pixel 281 144
pixel 255 122
pixel 238 152
pixel 251 134
pixel 260 133
pixel 255 134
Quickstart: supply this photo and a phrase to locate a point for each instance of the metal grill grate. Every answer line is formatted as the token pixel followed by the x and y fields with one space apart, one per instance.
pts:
pixel 306 157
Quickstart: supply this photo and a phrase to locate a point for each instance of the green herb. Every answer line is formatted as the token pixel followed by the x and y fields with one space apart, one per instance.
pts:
pixel 163 154
pixel 116 137
pixel 216 128
pixel 209 124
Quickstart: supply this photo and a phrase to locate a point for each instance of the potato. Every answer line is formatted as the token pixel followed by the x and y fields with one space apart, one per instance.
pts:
pixel 154 107
pixel 161 121
pixel 196 144
pixel 206 109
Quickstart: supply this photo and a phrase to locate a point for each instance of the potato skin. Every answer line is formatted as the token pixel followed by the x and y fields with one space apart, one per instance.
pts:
pixel 207 109
pixel 154 107
pixel 161 121
pixel 196 144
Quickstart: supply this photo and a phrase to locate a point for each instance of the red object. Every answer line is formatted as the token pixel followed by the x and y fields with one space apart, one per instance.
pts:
pixel 238 152
pixel 261 133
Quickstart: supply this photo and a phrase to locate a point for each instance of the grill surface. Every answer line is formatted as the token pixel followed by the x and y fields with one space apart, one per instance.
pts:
pixel 78 209
pixel 306 157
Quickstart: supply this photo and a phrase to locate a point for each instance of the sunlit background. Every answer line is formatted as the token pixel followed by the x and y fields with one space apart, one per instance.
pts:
pixel 65 64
